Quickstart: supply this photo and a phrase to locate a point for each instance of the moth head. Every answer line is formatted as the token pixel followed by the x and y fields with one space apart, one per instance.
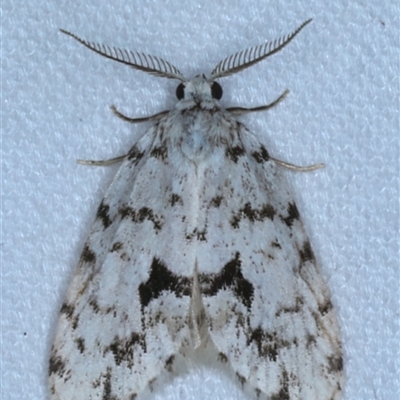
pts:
pixel 198 88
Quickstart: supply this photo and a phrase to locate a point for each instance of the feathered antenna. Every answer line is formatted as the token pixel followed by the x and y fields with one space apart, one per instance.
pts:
pixel 246 58
pixel 143 62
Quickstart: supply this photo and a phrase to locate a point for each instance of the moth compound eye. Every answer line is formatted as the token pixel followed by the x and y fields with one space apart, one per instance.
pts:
pixel 216 90
pixel 180 91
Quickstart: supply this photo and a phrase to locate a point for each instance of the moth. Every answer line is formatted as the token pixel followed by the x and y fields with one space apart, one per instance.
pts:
pixel 197 245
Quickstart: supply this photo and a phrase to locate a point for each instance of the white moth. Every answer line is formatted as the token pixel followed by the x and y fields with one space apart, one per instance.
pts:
pixel 197 244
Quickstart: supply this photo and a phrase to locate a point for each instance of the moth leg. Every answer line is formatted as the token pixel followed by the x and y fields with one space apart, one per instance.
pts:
pixel 298 168
pixel 293 167
pixel 244 110
pixel 115 160
pixel 137 120
pixel 102 163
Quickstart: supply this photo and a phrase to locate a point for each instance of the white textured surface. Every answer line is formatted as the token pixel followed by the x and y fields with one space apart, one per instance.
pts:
pixel 342 71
